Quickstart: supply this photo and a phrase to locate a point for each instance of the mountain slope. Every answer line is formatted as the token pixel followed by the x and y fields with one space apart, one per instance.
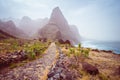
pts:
pixel 61 29
pixel 28 25
pixel 4 35
pixel 10 28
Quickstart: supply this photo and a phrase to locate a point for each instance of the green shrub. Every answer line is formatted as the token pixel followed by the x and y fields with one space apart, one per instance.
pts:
pixel 68 54
pixel 31 55
pixel 79 47
pixel 86 53
pixel 82 50
pixel 77 54
pixel 71 51
pixel 35 49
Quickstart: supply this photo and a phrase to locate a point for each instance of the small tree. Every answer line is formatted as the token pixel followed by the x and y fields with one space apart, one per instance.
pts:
pixel 86 52
pixel 79 47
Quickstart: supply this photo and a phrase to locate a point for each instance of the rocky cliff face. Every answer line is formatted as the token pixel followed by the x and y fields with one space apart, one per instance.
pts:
pixel 9 28
pixel 58 28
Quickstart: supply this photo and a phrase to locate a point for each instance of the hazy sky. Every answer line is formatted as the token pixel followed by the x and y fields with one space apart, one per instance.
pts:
pixel 95 19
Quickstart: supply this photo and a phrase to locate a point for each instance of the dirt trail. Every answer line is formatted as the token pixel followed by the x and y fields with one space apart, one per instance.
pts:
pixel 36 70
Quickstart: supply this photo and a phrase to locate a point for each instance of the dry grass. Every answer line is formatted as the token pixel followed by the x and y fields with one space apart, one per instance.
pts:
pixel 104 61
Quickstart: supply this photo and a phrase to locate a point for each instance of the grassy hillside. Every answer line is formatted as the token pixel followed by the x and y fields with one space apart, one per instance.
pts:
pixel 85 62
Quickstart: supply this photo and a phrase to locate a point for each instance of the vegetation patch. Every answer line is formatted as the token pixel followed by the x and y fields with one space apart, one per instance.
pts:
pixel 16 52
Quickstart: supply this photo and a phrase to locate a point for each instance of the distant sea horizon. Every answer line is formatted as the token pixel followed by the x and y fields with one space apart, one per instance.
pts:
pixel 102 45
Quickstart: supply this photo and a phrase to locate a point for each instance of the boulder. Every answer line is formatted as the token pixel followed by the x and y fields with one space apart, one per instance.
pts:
pixel 117 71
pixel 90 68
pixel 51 74
pixel 67 42
pixel 64 42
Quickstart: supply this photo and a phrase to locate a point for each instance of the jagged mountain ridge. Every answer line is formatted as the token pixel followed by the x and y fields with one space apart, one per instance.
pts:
pixel 58 28
pixel 55 28
pixel 27 25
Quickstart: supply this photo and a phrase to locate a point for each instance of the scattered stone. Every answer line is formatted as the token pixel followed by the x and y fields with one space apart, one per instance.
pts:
pixel 14 56
pixel 51 74
pixel 96 50
pixel 56 76
pixel 62 76
pixel 9 58
pixel 107 51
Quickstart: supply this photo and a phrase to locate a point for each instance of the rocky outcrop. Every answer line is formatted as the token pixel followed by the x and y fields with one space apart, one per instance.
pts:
pixel 58 28
pixel 51 31
pixel 64 42
pixel 5 60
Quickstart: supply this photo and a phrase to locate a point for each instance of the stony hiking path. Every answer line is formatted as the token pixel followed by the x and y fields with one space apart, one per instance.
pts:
pixel 61 71
pixel 36 70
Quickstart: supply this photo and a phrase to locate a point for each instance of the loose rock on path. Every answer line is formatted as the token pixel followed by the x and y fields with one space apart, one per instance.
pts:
pixel 61 71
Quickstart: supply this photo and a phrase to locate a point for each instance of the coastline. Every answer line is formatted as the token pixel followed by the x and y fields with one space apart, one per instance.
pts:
pixel 102 45
pixel 106 51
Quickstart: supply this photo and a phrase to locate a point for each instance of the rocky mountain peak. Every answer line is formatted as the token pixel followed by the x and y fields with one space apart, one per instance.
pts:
pixel 58 28
pixel 55 11
pixel 57 16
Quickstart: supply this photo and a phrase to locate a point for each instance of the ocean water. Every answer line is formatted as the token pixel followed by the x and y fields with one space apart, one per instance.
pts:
pixel 114 46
